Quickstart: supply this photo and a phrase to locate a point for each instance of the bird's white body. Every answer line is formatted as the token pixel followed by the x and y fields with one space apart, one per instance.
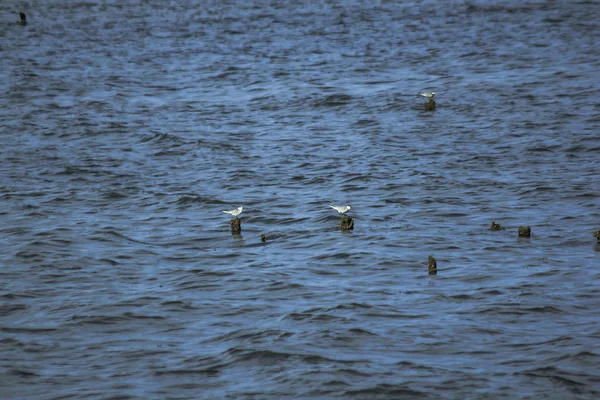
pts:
pixel 427 94
pixel 341 209
pixel 235 212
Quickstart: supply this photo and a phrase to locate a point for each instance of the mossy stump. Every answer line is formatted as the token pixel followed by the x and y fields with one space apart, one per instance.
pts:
pixel 432 266
pixel 430 105
pixel 347 223
pixel 597 235
pixel 524 231
pixel 496 227
pixel 263 238
pixel 236 225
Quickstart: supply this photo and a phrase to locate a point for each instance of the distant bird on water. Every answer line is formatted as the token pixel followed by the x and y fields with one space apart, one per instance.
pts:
pixel 341 209
pixel 23 20
pixel 235 212
pixel 429 95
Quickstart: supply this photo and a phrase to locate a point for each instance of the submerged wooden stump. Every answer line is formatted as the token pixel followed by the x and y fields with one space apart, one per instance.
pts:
pixel 524 231
pixel 430 105
pixel 496 227
pixel 597 235
pixel 236 225
pixel 432 266
pixel 347 223
pixel 263 238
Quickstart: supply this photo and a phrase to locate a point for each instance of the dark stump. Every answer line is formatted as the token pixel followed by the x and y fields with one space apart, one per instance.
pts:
pixel 432 266
pixel 236 225
pixel 430 105
pixel 347 223
pixel 496 227
pixel 597 235
pixel 524 231
pixel 263 238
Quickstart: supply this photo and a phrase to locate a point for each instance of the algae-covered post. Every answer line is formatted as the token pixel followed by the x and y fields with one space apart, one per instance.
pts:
pixel 524 231
pixel 432 266
pixel 430 105
pixel 347 223
pixel 597 235
pixel 496 227
pixel 236 223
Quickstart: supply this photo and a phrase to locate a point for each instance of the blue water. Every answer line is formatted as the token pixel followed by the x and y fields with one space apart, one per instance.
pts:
pixel 126 128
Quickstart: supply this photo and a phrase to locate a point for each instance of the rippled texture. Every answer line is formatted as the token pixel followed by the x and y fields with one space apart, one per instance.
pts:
pixel 126 130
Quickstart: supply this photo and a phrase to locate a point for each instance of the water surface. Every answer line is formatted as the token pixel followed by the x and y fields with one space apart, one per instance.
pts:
pixel 125 130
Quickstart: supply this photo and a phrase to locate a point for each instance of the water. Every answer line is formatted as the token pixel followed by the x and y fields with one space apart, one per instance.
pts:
pixel 126 130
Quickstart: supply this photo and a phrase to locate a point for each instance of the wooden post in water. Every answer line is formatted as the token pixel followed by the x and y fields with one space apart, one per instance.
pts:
pixel 347 223
pixel 430 104
pixel 524 231
pixel 236 225
pixel 432 266
pixel 496 227
pixel 597 235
